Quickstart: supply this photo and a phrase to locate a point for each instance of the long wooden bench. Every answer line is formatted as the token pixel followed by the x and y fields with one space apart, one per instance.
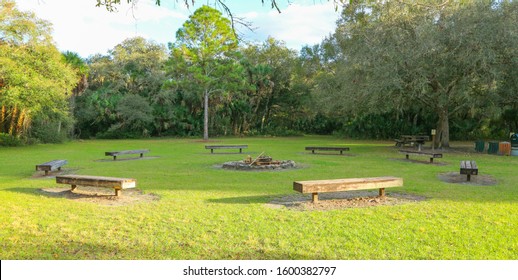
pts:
pixel 431 155
pixel 468 167
pixel 128 152
pixel 213 147
pixel 341 149
pixel 51 165
pixel 97 181
pixel 337 185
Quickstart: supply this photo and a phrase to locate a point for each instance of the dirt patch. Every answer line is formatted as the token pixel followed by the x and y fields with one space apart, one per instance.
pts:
pixel 342 200
pixel 101 196
pixel 476 180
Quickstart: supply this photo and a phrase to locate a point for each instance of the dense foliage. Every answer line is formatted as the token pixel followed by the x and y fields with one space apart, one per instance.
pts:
pixel 390 68
pixel 34 79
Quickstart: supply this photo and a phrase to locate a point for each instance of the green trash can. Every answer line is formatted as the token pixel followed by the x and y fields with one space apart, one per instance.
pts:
pixel 480 146
pixel 492 148
pixel 514 140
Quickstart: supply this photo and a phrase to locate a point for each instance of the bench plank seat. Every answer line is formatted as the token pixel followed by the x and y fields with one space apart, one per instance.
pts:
pixel 97 181
pixel 432 155
pixel 341 149
pixel 51 165
pixel 213 147
pixel 127 152
pixel 351 184
pixel 468 167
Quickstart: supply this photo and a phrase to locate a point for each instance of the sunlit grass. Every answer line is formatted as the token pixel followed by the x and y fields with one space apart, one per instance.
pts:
pixel 208 213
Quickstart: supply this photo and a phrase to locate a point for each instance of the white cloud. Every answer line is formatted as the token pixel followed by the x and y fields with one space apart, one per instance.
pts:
pixel 297 25
pixel 81 27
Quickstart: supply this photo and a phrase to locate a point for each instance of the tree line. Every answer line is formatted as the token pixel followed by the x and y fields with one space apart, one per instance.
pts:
pixel 389 68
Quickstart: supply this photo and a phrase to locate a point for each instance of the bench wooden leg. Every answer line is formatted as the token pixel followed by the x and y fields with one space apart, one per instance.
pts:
pixel 46 172
pixel 382 192
pixel 431 160
pixel 118 192
pixel 312 151
pixel 141 155
pixel 114 157
pixel 314 197
pixel 211 151
pixel 469 177
pixel 240 151
pixel 406 156
pixel 341 152
pixel 73 187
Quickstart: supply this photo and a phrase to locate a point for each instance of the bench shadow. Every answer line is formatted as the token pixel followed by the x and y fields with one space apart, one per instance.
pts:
pixel 125 159
pixel 329 154
pixel 441 163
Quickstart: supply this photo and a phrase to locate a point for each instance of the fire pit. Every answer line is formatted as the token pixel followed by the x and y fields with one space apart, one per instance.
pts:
pixel 262 162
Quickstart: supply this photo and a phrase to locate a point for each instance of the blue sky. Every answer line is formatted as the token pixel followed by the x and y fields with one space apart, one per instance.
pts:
pixel 81 27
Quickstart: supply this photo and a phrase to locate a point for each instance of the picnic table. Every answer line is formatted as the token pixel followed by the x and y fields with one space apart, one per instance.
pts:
pixel 412 140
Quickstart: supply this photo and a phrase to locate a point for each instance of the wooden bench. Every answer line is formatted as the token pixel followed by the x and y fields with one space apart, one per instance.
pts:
pixel 97 181
pixel 51 165
pixel 213 147
pixel 468 167
pixel 432 155
pixel 351 184
pixel 128 152
pixel 341 149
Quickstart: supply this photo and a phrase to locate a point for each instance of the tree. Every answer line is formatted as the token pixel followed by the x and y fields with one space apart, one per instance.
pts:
pixel 133 67
pixel 437 58
pixel 34 79
pixel 204 48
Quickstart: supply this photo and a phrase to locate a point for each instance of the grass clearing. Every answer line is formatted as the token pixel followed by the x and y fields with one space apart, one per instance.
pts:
pixel 208 213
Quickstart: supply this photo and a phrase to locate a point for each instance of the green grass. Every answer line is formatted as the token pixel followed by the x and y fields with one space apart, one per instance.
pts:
pixel 210 213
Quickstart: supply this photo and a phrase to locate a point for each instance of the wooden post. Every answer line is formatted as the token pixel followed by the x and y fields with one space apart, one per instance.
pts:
pixel 433 139
pixel 73 187
pixel 118 192
pixel 314 197
pixel 382 192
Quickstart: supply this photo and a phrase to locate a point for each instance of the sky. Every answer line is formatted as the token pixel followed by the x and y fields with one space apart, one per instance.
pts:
pixel 81 27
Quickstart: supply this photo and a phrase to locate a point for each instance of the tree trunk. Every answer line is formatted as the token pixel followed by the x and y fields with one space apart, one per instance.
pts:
pixel 443 129
pixel 206 115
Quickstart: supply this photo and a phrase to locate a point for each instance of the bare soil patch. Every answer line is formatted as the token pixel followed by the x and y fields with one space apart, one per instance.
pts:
pixel 342 200
pixel 101 196
pixel 476 180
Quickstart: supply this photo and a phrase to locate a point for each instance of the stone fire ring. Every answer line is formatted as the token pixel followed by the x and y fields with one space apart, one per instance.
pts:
pixel 241 165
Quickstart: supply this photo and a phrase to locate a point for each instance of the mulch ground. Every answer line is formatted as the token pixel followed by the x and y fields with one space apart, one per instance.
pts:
pixel 342 200
pixel 476 180
pixel 101 196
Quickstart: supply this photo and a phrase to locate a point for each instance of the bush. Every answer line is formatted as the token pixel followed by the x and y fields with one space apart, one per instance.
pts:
pixel 10 141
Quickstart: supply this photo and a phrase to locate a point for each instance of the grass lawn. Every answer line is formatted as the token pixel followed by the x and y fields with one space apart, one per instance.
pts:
pixel 209 213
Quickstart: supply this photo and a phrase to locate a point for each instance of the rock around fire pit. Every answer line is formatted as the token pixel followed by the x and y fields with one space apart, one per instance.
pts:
pixel 260 163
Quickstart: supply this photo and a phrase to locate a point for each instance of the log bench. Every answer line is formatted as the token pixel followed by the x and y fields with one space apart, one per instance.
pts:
pixel 351 184
pixel 213 147
pixel 431 155
pixel 128 152
pixel 468 167
pixel 51 165
pixel 97 181
pixel 341 149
